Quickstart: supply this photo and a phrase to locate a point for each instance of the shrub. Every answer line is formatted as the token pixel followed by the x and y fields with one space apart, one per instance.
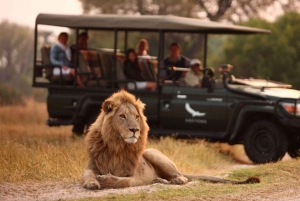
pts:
pixel 10 96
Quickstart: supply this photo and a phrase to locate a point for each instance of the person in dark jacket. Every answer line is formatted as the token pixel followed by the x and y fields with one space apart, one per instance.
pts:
pixel 177 60
pixel 133 71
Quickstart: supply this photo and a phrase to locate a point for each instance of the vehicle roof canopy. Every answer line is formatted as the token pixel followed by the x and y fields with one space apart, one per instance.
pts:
pixel 144 23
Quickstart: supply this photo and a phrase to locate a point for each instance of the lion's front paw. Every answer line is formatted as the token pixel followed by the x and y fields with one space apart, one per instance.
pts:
pixel 160 181
pixel 179 180
pixel 110 181
pixel 92 185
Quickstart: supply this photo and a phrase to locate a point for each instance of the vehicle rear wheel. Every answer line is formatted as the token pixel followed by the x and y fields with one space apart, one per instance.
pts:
pixel 265 142
pixel 91 119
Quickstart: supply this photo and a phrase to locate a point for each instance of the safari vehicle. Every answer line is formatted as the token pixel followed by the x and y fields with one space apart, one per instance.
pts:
pixel 262 115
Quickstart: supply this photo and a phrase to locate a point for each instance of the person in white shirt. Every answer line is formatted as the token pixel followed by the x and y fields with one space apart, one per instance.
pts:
pixel 194 77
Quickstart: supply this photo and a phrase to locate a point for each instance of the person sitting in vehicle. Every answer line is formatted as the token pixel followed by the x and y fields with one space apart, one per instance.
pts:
pixel 60 55
pixel 142 49
pixel 177 60
pixel 132 70
pixel 194 77
pixel 82 44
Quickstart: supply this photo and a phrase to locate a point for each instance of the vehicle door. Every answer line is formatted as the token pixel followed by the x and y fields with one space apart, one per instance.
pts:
pixel 188 108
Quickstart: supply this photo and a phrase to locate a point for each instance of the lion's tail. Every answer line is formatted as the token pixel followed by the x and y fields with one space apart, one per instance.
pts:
pixel 250 180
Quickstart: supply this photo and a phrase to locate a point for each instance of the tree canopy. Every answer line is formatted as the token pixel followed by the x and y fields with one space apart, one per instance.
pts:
pixel 215 10
pixel 16 55
pixel 274 56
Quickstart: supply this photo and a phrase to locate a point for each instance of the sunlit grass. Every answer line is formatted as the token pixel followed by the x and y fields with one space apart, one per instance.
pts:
pixel 32 151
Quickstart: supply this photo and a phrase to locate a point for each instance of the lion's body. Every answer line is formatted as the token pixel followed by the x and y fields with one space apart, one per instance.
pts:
pixel 116 144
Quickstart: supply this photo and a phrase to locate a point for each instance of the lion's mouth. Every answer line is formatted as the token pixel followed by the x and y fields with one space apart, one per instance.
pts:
pixel 131 140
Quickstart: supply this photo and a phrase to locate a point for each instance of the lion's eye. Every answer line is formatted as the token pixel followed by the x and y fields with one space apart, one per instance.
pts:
pixel 137 116
pixel 123 116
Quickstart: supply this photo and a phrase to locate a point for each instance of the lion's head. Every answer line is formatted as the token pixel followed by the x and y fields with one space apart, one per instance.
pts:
pixel 120 128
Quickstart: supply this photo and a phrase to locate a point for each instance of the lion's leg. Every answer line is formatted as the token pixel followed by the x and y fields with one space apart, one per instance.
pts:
pixel 89 177
pixel 144 174
pixel 111 181
pixel 165 168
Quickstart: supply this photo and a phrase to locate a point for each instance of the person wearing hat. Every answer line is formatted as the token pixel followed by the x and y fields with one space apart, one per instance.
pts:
pixel 193 78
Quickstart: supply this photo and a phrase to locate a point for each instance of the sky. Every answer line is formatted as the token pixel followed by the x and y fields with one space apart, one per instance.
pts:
pixel 24 12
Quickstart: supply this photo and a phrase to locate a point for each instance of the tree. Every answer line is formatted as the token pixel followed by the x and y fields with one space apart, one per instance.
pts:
pixel 274 56
pixel 16 55
pixel 215 10
pixel 16 47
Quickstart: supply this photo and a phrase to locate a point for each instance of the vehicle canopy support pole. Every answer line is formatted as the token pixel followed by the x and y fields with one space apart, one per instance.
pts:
pixel 115 57
pixel 125 41
pixel 35 46
pixel 76 57
pixel 205 50
pixel 160 56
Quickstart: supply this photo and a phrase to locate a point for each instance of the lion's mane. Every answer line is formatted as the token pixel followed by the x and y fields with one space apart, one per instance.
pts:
pixel 106 149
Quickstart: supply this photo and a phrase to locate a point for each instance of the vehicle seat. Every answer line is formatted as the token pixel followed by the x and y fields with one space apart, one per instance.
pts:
pixel 106 65
pixel 181 82
pixel 45 53
pixel 148 72
pixel 90 69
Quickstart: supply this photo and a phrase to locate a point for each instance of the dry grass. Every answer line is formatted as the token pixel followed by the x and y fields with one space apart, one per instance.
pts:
pixel 32 151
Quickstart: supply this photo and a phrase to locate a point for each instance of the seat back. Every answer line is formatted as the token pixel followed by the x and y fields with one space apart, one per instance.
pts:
pixel 106 64
pixel 45 52
pixel 83 64
pixel 147 71
pixel 120 74
pixel 94 63
pixel 152 71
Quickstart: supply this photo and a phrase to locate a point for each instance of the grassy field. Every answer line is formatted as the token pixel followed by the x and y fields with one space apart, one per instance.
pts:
pixel 32 151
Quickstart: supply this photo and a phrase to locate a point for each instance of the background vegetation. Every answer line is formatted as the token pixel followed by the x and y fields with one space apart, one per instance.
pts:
pixel 272 56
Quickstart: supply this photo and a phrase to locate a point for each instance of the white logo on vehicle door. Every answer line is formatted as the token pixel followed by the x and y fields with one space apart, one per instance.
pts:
pixel 193 112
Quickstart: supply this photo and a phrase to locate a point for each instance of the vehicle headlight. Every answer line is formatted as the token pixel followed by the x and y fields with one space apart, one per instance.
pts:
pixel 292 108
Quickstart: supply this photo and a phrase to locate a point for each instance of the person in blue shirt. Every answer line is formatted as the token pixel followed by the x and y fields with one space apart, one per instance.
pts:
pixel 60 55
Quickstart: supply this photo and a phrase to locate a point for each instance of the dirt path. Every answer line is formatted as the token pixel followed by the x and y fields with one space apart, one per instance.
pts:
pixel 48 191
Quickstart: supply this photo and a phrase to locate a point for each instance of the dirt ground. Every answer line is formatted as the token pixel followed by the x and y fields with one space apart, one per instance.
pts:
pixel 48 191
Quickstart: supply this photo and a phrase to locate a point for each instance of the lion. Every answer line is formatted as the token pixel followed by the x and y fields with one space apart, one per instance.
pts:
pixel 118 158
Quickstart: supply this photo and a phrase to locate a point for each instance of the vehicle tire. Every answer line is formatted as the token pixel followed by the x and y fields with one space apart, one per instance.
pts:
pixel 265 142
pixel 294 153
pixel 91 119
pixel 294 150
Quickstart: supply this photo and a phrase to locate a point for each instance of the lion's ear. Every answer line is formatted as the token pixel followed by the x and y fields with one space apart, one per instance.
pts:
pixel 107 106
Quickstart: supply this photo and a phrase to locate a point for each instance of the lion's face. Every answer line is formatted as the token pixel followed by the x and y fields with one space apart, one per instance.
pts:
pixel 126 121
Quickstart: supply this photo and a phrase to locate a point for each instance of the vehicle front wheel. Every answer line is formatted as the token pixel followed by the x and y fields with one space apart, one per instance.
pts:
pixel 265 142
pixel 294 150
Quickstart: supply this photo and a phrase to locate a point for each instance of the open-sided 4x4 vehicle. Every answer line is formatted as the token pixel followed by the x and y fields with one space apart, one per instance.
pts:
pixel 261 114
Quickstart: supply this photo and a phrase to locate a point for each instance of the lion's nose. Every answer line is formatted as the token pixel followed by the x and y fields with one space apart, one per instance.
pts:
pixel 134 129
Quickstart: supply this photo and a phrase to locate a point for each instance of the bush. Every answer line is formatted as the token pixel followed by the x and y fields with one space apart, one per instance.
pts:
pixel 10 96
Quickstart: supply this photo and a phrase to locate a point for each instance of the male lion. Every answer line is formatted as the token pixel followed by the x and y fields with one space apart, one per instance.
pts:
pixel 116 144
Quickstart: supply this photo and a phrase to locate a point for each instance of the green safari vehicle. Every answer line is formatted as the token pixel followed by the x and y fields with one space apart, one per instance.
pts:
pixel 262 115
